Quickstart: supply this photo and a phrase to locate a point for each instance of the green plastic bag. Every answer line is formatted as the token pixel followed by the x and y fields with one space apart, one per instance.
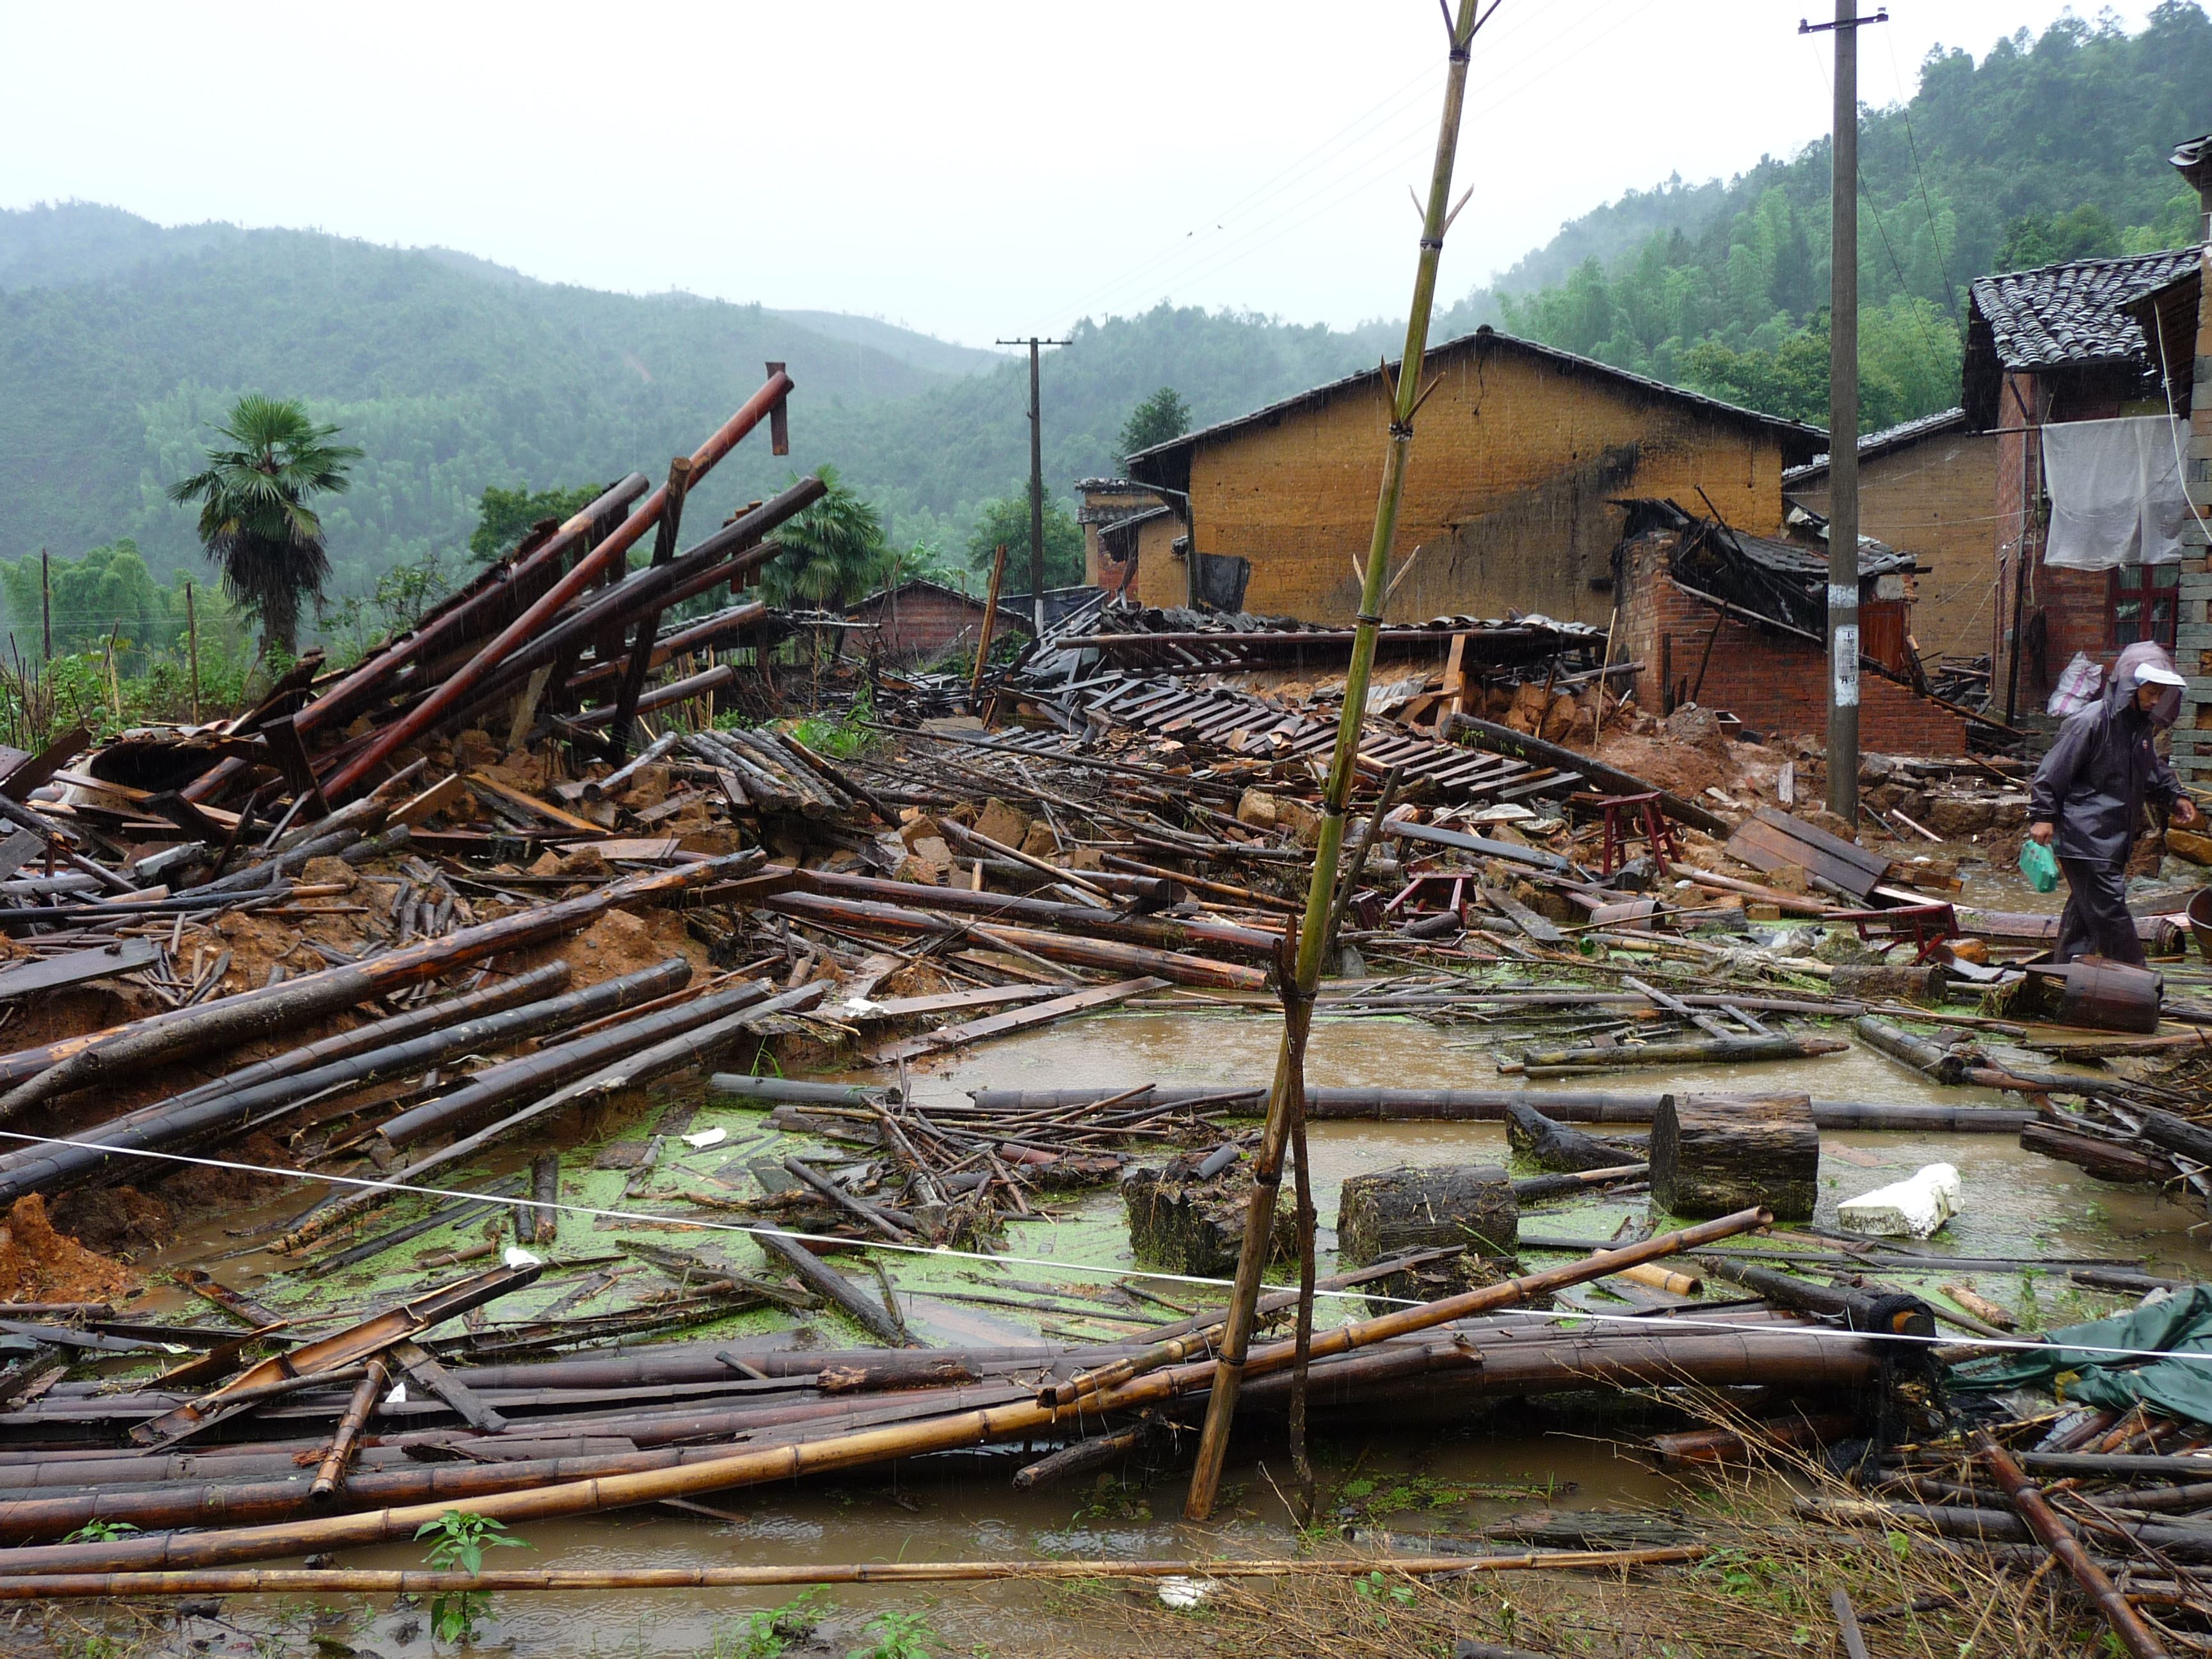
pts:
pixel 2039 866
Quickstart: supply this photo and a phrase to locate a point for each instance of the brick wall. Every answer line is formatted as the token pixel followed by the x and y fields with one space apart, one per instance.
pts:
pixel 1515 465
pixel 1770 680
pixel 1932 499
pixel 922 625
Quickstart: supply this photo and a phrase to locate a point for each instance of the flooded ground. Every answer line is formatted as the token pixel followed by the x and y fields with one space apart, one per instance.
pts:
pixel 1448 1479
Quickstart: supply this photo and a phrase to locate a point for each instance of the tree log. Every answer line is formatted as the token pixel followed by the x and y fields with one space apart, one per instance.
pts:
pixel 1712 1154
pixel 2101 1159
pixel 1551 1146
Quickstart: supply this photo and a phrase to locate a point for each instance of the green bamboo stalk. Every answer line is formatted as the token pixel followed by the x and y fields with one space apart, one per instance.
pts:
pixel 1313 930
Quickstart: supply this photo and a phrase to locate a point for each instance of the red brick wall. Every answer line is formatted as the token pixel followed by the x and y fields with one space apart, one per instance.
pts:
pixel 1770 680
pixel 921 626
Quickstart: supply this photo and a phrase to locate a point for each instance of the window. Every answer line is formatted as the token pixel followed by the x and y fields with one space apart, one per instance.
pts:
pixel 2142 602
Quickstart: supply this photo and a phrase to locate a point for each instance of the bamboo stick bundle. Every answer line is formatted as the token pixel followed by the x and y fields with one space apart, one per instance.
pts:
pixel 948 1432
pixel 550 1066
pixel 218 1110
pixel 81 1061
pixel 700 1044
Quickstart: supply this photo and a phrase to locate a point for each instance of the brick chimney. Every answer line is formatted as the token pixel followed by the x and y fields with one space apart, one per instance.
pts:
pixel 2194 162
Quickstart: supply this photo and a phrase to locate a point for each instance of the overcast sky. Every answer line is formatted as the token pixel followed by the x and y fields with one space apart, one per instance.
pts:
pixel 969 169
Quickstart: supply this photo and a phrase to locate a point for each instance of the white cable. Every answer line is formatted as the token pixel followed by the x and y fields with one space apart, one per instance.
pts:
pixel 1668 1320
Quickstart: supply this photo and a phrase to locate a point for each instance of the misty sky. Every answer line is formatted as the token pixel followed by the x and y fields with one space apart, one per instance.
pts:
pixel 969 169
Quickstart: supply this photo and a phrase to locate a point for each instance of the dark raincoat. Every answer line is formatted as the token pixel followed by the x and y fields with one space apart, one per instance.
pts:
pixel 2093 785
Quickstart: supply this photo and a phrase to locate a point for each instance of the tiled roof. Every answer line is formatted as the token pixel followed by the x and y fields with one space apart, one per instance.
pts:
pixel 2071 315
pixel 1168 465
pixel 1872 444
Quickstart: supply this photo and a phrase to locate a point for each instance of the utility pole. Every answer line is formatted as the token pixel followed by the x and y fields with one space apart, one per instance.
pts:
pixel 1843 416
pixel 1036 486
pixel 46 603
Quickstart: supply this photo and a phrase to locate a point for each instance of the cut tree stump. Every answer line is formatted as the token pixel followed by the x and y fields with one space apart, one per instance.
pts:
pixel 1470 1206
pixel 1715 1154
pixel 1182 1225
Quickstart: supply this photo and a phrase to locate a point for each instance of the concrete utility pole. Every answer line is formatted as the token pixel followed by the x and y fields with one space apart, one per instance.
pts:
pixel 1036 486
pixel 1843 416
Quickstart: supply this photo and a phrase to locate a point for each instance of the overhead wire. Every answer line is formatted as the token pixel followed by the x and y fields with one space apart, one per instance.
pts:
pixel 1670 1319
pixel 1209 258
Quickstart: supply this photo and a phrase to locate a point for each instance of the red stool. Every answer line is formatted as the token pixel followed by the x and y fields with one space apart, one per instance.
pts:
pixel 1926 928
pixel 1625 816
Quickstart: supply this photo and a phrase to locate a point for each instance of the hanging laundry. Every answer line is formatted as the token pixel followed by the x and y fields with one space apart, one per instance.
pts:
pixel 2116 492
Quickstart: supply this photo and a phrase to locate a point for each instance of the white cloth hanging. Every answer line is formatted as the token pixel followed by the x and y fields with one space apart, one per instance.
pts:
pixel 2116 492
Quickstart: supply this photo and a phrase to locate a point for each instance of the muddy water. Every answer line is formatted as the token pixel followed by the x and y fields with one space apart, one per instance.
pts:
pixel 1450 1479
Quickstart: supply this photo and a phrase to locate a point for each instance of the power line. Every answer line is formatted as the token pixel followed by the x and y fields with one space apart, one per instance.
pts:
pixel 1935 236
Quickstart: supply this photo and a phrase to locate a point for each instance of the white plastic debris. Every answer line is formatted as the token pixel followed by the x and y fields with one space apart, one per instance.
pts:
pixel 516 1256
pixel 706 1138
pixel 1915 1207
pixel 1182 1594
pixel 398 1396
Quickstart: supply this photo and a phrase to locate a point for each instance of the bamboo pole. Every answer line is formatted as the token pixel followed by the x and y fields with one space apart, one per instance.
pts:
pixel 641 654
pixel 253 1014
pixel 1268 1162
pixel 370 1581
pixel 2058 1538
pixel 458 684
pixel 752 1467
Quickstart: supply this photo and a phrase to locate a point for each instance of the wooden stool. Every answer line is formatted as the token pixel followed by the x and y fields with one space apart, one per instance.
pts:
pixel 1642 812
pixel 1926 928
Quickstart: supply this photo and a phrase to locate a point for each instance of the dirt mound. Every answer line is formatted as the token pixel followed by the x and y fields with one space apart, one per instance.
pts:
pixel 201 1189
pixel 119 1221
pixel 38 1264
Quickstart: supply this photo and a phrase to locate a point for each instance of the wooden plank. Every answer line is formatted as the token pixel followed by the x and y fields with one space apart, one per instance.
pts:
pixel 423 1367
pixel 1771 840
pixel 528 803
pixel 434 799
pixel 1797 829
pixel 21 847
pixel 25 774
pixel 1021 1020
pixel 636 849
pixel 950 1002
pixel 78 968
pixel 1535 926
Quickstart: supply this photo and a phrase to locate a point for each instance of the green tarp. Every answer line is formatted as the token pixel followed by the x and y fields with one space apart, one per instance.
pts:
pixel 2180 1387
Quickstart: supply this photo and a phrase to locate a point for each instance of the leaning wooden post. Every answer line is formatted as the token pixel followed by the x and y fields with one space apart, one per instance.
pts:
pixel 193 647
pixel 640 653
pixel 1313 931
pixel 990 626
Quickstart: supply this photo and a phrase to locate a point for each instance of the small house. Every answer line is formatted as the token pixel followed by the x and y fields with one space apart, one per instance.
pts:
pixel 2058 369
pixel 1511 501
pixel 1732 621
pixel 919 621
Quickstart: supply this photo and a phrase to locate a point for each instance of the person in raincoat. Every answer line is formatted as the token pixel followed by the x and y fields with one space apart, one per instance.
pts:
pixel 2088 796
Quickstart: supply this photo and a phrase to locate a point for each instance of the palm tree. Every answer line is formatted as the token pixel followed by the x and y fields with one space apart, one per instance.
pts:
pixel 255 522
pixel 832 552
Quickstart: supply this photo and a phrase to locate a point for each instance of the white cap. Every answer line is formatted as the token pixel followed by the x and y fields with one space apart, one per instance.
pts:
pixel 2150 673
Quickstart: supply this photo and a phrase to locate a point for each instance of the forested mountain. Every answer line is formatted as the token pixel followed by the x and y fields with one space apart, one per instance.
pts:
pixel 2045 149
pixel 119 339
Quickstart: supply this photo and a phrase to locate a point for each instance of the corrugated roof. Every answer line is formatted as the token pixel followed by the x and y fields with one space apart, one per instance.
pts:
pixel 1168 465
pixel 2072 315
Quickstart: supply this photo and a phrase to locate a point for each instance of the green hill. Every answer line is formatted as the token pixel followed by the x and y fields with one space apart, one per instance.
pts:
pixel 2047 149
